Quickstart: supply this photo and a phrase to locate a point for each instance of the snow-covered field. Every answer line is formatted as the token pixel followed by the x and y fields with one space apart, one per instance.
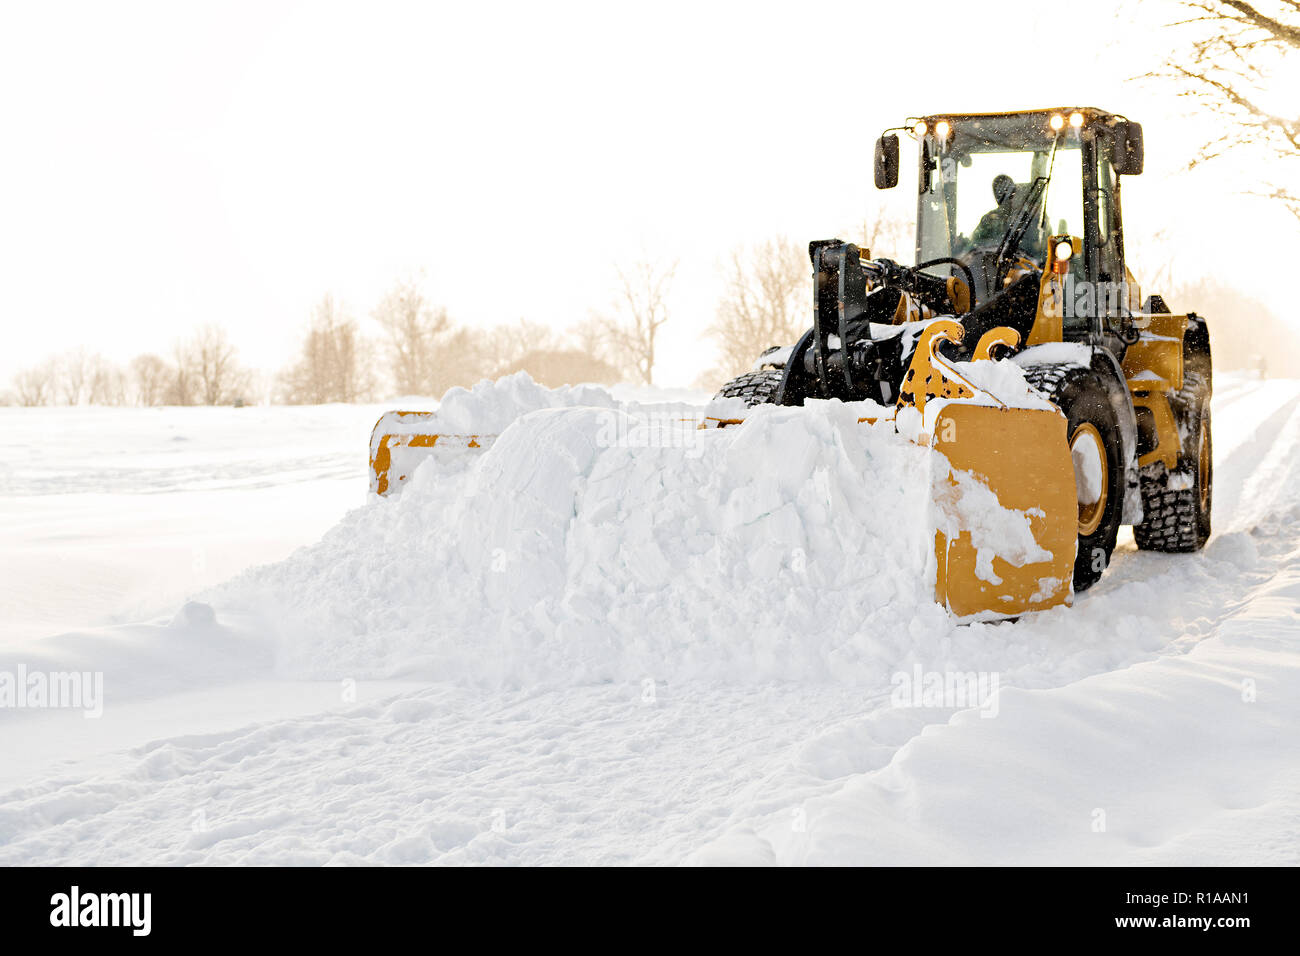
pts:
pixel 703 665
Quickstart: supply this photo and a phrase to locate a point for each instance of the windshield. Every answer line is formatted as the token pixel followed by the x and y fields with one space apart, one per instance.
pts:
pixel 998 184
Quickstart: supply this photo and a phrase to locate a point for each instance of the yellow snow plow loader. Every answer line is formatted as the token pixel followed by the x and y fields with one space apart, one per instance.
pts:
pixel 1016 348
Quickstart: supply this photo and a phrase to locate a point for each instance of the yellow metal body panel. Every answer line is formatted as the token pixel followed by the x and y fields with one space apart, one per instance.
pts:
pixel 1049 320
pixel 1153 366
pixel 1158 353
pixel 1000 337
pixel 929 376
pixel 1168 443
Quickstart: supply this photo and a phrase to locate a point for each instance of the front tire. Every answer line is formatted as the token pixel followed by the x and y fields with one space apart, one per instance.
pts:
pixel 1092 430
pixel 754 388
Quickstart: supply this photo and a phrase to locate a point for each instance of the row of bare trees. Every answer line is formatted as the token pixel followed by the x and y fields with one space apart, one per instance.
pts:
pixel 201 370
pixel 418 350
pixel 413 347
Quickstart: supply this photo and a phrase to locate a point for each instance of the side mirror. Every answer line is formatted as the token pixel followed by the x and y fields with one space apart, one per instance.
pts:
pixel 887 161
pixel 1127 155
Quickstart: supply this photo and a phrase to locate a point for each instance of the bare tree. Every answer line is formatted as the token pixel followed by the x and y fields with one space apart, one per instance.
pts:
pixel 73 373
pixel 1228 68
pixel 765 303
pixel 182 389
pixel 591 336
pixel 425 353
pixel 212 372
pixel 463 356
pixel 36 385
pixel 333 365
pixel 883 234
pixel 498 347
pixel 351 362
pixel 412 329
pixel 640 310
pixel 150 376
pixel 106 383
pixel 308 381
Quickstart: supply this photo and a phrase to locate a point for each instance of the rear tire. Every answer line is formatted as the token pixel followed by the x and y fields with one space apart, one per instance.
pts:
pixel 1092 429
pixel 755 388
pixel 1176 504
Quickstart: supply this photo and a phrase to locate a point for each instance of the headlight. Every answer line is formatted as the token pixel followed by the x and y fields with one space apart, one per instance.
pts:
pixel 1076 120
pixel 1058 121
pixel 1064 250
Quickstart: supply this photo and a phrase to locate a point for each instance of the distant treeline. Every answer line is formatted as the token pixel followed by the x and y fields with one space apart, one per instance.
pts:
pixel 413 347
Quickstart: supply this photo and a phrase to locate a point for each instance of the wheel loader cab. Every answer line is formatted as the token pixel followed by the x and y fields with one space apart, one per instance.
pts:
pixel 994 189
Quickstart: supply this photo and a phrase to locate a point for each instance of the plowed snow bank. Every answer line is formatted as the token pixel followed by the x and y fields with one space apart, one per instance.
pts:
pixel 598 541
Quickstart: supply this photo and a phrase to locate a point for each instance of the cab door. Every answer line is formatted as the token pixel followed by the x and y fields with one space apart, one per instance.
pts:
pixel 1104 235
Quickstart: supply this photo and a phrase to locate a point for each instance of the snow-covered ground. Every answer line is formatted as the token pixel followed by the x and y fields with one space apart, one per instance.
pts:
pixel 702 666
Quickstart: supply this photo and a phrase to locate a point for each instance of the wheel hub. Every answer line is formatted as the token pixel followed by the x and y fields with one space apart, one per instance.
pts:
pixel 1090 476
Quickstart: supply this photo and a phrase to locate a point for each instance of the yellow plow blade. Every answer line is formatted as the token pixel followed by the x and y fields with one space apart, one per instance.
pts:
pixel 1022 455
pixel 402 440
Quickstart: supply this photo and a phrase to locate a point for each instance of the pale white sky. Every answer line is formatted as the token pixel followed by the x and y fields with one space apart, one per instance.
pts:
pixel 166 165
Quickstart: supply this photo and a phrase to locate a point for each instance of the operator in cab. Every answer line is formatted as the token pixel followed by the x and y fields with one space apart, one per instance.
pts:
pixel 994 223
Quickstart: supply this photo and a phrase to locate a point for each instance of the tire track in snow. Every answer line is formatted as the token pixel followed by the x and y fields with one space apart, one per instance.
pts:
pixel 1263 452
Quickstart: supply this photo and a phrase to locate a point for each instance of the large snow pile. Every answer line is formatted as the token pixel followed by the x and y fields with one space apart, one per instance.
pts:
pixel 596 540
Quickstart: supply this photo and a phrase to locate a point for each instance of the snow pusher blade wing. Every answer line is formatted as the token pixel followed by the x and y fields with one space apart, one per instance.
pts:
pixel 1019 453
pixel 401 440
